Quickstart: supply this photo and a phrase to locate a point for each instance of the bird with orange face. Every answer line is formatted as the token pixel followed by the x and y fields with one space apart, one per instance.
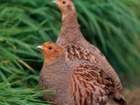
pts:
pixel 75 82
pixel 76 47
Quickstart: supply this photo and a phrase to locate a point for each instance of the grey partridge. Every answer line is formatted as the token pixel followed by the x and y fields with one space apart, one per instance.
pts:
pixel 77 82
pixel 77 47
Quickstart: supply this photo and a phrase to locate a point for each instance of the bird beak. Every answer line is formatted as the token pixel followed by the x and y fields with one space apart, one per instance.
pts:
pixel 40 47
pixel 54 1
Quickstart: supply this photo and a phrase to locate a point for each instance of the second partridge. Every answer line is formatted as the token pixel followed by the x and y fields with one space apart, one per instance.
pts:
pixel 76 47
pixel 73 82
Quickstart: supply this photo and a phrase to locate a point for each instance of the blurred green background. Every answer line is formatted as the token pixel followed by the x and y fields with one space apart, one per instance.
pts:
pixel 112 25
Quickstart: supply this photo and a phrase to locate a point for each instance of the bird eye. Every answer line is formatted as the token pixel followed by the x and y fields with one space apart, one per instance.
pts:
pixel 64 2
pixel 50 48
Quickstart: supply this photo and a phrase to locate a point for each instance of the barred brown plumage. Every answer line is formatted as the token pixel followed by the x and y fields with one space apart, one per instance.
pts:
pixel 75 82
pixel 77 48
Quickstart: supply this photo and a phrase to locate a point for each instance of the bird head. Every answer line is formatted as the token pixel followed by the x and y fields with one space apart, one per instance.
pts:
pixel 65 6
pixel 51 51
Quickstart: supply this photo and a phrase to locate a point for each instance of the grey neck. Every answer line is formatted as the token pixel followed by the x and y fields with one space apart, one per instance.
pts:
pixel 58 63
pixel 70 30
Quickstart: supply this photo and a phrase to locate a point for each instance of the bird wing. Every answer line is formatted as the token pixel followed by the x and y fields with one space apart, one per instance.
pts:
pixel 91 53
pixel 91 85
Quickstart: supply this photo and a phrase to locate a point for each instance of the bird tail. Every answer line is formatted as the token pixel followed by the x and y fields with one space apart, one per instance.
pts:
pixel 120 100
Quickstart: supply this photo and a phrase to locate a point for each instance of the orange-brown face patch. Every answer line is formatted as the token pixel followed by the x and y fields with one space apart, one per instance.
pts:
pixel 65 6
pixel 51 51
